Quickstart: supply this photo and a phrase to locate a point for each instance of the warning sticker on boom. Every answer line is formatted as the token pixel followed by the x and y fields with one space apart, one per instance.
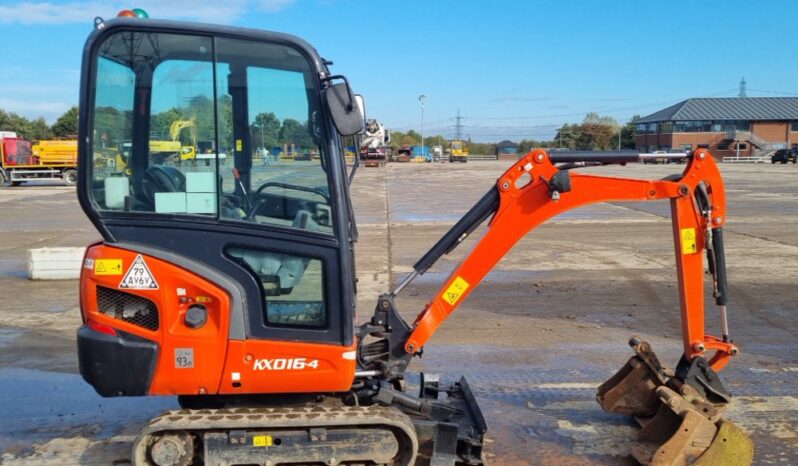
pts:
pixel 689 245
pixel 455 290
pixel 139 277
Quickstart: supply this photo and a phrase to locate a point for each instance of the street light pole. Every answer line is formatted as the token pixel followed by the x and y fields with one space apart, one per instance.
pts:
pixel 262 145
pixel 421 99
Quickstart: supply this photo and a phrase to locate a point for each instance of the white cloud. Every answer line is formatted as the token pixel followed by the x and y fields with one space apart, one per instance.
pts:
pixel 50 110
pixel 271 6
pixel 37 12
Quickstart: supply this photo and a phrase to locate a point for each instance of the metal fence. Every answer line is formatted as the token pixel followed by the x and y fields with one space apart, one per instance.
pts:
pixel 749 159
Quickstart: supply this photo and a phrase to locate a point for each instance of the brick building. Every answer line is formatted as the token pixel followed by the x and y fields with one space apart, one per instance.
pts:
pixel 750 126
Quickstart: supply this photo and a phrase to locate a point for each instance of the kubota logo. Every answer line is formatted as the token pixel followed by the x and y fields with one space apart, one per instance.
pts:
pixel 283 364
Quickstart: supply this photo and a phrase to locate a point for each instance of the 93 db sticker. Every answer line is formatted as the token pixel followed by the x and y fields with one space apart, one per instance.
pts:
pixel 455 290
pixel 138 277
pixel 184 358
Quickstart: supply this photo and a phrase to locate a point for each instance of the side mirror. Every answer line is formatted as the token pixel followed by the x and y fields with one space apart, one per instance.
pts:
pixel 361 105
pixel 345 110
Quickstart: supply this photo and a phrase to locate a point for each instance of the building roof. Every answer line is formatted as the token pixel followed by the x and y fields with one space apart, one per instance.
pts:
pixel 506 143
pixel 728 108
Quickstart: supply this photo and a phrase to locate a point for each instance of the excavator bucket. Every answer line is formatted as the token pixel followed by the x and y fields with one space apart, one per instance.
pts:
pixel 678 428
pixel 632 390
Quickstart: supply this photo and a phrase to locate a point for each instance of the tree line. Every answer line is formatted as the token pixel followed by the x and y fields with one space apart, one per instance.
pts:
pixel 37 129
pixel 595 132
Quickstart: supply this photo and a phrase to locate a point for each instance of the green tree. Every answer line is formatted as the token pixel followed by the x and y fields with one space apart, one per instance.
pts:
pixel 628 133
pixel 40 130
pixel 67 124
pixel 294 132
pixel 265 130
pixel 594 136
pixel 567 136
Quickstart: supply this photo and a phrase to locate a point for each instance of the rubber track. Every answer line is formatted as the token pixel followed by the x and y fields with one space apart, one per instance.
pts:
pixel 197 421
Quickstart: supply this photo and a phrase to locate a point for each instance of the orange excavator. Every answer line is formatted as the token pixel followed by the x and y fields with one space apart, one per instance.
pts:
pixel 233 286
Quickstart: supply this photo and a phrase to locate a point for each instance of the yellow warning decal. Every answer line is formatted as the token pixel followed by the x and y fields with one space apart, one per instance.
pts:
pixel 261 440
pixel 455 290
pixel 239 145
pixel 689 245
pixel 108 267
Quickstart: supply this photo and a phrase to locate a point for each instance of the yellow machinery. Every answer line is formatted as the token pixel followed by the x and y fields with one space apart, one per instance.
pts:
pixel 173 146
pixel 186 152
pixel 458 151
pixel 20 161
pixel 52 152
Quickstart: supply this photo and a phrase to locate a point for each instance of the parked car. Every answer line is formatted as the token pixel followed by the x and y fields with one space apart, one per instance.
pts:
pixel 785 155
pixel 656 160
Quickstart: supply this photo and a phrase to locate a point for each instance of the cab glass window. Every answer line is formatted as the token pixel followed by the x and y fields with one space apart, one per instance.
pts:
pixel 153 110
pixel 292 286
pixel 270 122
pixel 217 128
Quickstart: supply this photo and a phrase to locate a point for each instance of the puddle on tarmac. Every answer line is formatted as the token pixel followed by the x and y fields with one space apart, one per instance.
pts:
pixel 8 335
pixel 496 276
pixel 537 400
pixel 48 405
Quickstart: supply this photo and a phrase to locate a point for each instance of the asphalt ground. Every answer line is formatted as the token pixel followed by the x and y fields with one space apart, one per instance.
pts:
pixel 539 334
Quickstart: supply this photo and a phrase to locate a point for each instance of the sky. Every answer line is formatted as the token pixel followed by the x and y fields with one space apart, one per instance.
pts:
pixel 514 69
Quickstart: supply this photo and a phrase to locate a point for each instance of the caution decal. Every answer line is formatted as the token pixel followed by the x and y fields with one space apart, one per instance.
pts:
pixel 262 441
pixel 108 267
pixel 455 290
pixel 138 277
pixel 689 245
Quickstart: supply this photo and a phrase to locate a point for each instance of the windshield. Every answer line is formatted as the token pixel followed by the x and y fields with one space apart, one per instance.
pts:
pixel 234 138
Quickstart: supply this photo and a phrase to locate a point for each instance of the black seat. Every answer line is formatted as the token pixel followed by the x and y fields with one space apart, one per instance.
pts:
pixel 160 179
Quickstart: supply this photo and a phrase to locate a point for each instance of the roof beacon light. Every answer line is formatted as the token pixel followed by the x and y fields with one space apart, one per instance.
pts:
pixel 134 13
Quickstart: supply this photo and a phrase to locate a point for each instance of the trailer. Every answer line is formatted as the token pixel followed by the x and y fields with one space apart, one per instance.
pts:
pixel 46 160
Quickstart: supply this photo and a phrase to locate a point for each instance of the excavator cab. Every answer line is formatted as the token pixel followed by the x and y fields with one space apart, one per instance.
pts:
pixel 272 243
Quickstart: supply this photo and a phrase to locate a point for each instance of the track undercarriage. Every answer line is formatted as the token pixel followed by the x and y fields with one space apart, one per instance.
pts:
pixel 443 426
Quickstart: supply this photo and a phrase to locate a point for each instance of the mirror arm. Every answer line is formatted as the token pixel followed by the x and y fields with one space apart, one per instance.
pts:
pixel 351 104
pixel 354 167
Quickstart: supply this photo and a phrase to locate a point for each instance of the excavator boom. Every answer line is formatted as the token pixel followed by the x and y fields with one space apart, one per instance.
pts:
pixel 680 411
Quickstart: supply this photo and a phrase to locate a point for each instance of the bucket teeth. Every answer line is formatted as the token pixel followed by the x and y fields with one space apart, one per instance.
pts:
pixel 680 424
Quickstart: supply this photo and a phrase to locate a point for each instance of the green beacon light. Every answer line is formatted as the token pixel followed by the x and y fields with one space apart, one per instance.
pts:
pixel 134 13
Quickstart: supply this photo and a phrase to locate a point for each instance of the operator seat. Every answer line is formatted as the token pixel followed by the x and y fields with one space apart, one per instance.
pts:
pixel 160 179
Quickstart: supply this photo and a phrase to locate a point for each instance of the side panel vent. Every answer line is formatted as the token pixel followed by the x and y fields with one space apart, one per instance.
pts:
pixel 124 306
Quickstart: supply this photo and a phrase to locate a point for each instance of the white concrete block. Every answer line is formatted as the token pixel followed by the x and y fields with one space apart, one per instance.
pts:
pixel 55 263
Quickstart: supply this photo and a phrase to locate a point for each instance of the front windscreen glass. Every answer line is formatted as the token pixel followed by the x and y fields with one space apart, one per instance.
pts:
pixel 214 128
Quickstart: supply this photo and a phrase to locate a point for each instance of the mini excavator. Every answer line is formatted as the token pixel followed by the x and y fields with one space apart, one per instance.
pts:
pixel 232 286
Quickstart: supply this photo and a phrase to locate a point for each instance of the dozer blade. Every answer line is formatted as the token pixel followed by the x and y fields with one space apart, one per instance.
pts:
pixel 677 428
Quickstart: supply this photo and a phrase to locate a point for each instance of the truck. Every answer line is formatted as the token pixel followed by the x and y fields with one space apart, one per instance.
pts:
pixel 374 143
pixel 458 151
pixel 21 161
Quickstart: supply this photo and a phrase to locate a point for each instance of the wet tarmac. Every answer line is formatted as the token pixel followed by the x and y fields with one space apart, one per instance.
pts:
pixel 541 332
